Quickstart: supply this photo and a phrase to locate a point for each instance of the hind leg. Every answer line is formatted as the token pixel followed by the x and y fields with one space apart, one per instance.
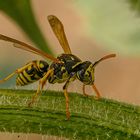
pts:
pixel 16 72
pixel 42 82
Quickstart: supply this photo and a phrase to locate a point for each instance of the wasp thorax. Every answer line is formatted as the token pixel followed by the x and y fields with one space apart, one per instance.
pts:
pixel 86 73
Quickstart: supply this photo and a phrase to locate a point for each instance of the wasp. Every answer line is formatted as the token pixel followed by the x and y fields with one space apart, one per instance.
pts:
pixel 65 68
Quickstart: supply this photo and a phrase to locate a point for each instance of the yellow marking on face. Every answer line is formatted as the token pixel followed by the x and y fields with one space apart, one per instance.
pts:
pixel 90 67
pixel 89 70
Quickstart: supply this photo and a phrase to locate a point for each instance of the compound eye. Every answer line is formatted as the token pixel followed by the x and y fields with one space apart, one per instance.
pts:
pixel 81 72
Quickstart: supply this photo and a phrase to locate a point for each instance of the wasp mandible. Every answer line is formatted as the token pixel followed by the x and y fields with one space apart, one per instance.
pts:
pixel 65 68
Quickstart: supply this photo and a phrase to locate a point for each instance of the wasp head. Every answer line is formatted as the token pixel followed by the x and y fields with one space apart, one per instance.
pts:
pixel 85 73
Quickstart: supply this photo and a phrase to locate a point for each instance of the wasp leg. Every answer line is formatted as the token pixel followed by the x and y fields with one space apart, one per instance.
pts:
pixel 65 87
pixel 17 72
pixel 96 91
pixel 42 82
pixel 84 90
pixel 67 100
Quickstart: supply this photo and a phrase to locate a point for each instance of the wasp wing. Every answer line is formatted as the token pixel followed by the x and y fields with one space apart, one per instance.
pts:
pixel 58 30
pixel 29 48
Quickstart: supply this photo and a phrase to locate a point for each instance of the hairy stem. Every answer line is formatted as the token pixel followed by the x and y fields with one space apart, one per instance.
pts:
pixel 90 119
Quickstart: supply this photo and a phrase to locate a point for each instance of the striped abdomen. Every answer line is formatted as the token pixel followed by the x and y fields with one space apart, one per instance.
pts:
pixel 32 73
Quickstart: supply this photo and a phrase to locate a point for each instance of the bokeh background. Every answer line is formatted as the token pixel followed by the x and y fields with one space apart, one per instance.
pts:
pixel 94 28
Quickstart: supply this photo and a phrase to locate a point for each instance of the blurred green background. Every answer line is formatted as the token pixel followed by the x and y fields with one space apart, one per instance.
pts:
pixel 94 28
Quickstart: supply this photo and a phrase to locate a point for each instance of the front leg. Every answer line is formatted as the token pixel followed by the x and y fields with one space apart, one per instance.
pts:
pixel 98 96
pixel 95 89
pixel 84 92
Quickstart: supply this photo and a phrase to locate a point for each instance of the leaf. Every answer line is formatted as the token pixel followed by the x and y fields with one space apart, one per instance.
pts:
pixel 135 4
pixel 112 24
pixel 21 12
pixel 90 119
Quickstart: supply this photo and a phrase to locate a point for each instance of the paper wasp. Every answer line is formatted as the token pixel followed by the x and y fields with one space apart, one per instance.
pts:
pixel 65 68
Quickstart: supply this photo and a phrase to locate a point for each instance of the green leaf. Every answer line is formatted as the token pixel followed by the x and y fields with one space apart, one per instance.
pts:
pixel 90 119
pixel 135 4
pixel 21 12
pixel 113 24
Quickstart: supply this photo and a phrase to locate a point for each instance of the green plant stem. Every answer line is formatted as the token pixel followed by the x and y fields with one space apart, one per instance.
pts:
pixel 90 119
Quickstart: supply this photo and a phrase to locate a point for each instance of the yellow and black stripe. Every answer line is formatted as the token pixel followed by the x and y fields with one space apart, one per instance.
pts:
pixel 32 73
